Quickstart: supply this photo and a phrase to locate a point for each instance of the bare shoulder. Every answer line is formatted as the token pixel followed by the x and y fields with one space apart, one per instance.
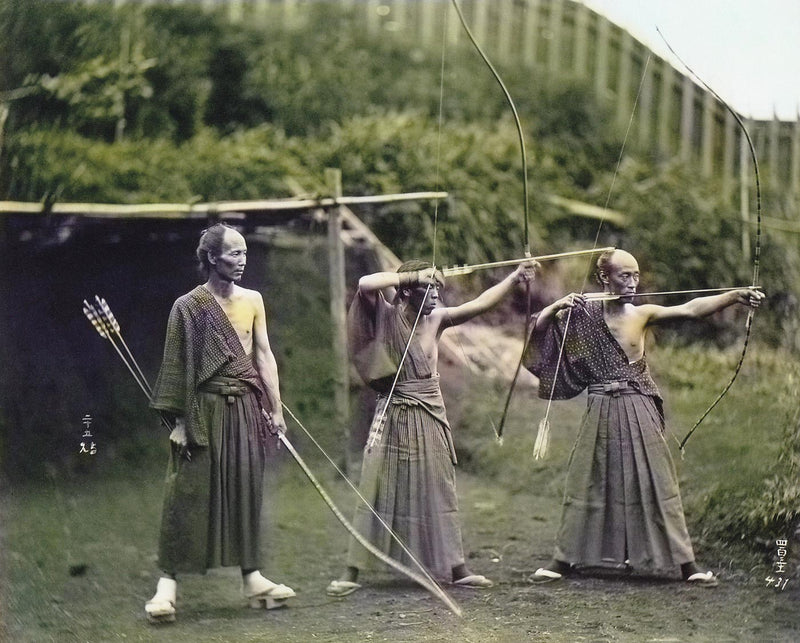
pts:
pixel 252 298
pixel 247 293
pixel 644 310
pixel 441 316
pixel 653 313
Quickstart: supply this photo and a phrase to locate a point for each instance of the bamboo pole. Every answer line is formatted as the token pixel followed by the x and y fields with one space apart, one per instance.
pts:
pixel 744 196
pixel 202 210
pixel 336 268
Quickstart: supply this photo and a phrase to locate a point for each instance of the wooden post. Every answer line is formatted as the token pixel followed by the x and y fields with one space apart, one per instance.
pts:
pixel 373 18
pixel 554 26
pixel 530 34
pixel 773 146
pixel 505 20
pixel 480 21
pixel 579 64
pixel 687 118
pixel 728 156
pixel 664 118
pixel 427 24
pixel 707 148
pixel 601 59
pixel 744 195
pixel 341 366
pixel 794 179
pixel 235 11
pixel 624 80
pixel 646 106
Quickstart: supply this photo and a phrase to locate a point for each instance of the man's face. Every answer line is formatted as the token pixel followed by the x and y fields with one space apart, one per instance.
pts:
pixel 622 277
pixel 418 298
pixel 230 263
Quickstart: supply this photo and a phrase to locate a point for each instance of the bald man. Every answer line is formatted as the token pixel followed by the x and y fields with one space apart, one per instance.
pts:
pixel 622 507
pixel 218 383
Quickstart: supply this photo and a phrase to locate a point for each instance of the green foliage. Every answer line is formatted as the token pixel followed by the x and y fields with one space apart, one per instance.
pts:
pixel 741 464
pixel 739 473
pixel 377 155
pixel 46 164
pixel 687 238
pixel 148 66
pixel 406 153
pixel 310 80
pixel 577 145
pixel 673 220
pixel 777 509
pixel 184 43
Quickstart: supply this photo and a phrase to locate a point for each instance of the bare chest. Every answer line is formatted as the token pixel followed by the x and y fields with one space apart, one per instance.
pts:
pixel 240 314
pixel 428 341
pixel 629 335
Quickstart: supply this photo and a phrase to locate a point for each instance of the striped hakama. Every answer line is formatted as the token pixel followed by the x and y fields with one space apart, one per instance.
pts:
pixel 409 479
pixel 212 504
pixel 622 500
pixel 621 503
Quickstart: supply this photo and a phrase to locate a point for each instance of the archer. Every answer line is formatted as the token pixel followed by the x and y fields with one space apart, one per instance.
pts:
pixel 408 471
pixel 622 507
pixel 217 379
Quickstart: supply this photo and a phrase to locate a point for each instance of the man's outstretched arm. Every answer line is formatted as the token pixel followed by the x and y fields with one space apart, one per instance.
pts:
pixel 702 306
pixel 381 280
pixel 489 298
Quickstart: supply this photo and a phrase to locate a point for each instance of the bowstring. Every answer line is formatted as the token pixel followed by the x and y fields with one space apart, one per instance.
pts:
pixel 517 122
pixel 435 219
pixel 526 206
pixel 377 423
pixel 102 317
pixel 756 253
pixel 440 120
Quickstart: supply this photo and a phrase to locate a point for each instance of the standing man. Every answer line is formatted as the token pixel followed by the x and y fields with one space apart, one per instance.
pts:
pixel 219 385
pixel 622 506
pixel 408 472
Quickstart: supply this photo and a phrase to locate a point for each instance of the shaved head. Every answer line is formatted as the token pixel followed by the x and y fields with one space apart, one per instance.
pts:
pixel 611 259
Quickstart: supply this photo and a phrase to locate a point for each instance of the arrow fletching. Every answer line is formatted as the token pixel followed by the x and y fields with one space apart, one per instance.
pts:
pixel 91 315
pixel 542 444
pixel 108 315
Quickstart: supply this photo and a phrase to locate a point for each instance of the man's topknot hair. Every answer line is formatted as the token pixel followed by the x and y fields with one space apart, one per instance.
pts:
pixel 210 243
pixel 603 262
pixel 414 265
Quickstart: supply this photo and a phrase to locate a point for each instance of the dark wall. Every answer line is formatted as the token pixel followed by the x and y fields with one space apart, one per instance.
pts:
pixel 56 368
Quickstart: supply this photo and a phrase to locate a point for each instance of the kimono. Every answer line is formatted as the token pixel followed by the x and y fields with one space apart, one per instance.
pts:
pixel 408 469
pixel 212 503
pixel 622 504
